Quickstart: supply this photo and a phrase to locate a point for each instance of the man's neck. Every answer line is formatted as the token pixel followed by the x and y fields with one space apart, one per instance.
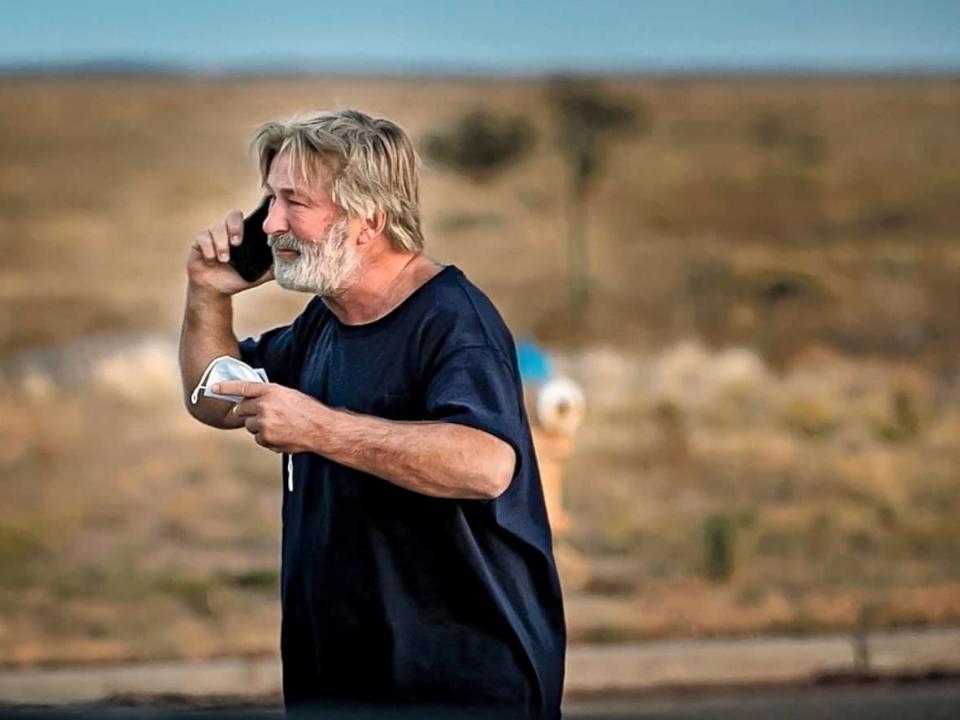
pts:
pixel 390 280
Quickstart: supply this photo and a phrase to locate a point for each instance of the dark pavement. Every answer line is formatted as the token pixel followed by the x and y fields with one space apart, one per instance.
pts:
pixel 887 701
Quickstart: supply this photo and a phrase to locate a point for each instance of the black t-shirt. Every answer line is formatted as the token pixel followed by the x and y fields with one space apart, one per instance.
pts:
pixel 391 596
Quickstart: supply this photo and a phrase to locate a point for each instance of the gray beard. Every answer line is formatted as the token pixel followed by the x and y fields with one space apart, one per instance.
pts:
pixel 324 267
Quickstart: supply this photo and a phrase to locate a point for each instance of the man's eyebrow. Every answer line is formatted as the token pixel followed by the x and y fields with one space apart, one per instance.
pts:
pixel 291 190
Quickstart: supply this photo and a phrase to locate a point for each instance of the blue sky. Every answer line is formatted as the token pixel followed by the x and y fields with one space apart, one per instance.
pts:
pixel 488 35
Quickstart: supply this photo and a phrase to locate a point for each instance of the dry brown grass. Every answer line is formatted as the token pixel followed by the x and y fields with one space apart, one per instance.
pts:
pixel 812 224
pixel 834 498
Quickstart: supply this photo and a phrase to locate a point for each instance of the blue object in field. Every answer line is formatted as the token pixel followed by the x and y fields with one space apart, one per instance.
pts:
pixel 534 361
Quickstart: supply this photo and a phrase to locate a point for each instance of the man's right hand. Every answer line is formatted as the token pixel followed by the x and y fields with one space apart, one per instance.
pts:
pixel 208 262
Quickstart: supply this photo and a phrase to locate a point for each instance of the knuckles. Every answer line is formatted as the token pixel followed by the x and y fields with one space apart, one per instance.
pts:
pixel 269 415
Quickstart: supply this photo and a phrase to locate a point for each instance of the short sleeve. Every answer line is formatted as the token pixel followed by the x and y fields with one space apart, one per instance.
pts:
pixel 280 351
pixel 274 351
pixel 476 387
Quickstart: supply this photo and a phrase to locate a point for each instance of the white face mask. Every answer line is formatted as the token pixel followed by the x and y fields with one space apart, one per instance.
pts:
pixel 226 368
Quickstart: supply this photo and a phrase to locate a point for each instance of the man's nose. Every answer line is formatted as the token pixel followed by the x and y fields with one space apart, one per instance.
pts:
pixel 276 220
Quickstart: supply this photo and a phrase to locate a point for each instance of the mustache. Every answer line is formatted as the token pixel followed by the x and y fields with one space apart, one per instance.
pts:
pixel 286 241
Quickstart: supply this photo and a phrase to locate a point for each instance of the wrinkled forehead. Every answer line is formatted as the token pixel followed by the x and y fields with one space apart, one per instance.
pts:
pixel 300 173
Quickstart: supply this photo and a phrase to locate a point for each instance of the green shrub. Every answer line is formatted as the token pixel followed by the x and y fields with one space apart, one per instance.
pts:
pixel 811 417
pixel 20 548
pixel 480 144
pixel 192 592
pixel 263 579
pixel 903 424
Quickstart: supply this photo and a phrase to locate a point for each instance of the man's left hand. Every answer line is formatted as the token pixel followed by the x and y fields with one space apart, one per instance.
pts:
pixel 278 417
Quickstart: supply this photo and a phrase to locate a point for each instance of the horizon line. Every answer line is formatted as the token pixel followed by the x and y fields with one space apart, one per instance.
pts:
pixel 133 66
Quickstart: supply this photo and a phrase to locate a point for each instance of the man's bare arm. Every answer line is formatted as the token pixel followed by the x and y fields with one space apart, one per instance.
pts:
pixel 207 332
pixel 433 458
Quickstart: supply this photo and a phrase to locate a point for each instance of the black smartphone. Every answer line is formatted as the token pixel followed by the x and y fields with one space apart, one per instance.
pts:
pixel 253 257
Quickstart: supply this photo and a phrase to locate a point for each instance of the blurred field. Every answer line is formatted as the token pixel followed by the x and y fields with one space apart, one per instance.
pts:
pixel 770 354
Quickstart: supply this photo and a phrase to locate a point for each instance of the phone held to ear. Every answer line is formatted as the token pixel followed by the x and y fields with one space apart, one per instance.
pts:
pixel 253 257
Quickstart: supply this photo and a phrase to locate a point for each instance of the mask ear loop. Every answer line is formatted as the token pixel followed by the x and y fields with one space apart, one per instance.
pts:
pixel 195 396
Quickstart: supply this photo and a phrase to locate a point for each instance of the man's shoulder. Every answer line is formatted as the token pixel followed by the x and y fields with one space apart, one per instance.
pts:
pixel 454 294
pixel 457 313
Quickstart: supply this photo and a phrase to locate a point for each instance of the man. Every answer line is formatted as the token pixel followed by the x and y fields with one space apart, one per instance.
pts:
pixel 417 566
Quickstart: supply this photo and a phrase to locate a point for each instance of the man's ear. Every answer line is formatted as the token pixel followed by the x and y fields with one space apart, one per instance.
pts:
pixel 373 227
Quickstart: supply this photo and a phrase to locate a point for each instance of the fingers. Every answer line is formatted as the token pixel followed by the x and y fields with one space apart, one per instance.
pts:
pixel 214 243
pixel 221 234
pixel 204 243
pixel 243 388
pixel 246 408
pixel 263 443
pixel 234 227
pixel 253 424
pixel 254 427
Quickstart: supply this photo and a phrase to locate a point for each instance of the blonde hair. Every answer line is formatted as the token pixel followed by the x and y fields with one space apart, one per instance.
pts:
pixel 370 164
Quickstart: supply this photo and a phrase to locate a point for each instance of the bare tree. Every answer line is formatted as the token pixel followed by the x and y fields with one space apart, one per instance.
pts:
pixel 587 120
